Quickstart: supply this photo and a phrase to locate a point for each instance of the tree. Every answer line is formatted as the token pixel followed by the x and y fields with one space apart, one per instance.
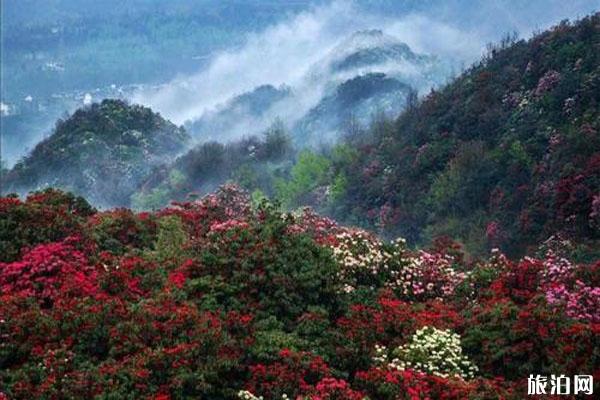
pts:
pixel 308 173
pixel 277 142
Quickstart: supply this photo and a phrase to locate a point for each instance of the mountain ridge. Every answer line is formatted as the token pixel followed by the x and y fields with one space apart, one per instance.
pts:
pixel 361 56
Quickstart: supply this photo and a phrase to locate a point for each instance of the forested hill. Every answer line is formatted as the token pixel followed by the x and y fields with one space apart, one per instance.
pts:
pixel 102 151
pixel 507 155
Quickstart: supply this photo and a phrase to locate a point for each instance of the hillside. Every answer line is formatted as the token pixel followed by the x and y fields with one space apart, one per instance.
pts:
pixel 506 155
pixel 252 162
pixel 312 209
pixel 102 152
pixel 223 298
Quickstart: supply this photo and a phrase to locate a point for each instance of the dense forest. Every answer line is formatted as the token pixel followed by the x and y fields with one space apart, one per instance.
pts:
pixel 226 297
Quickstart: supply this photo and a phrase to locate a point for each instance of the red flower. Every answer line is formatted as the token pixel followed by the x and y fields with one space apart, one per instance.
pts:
pixel 177 278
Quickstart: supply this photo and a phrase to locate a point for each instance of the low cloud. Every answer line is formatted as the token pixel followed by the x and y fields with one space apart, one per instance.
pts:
pixel 286 52
pixel 282 54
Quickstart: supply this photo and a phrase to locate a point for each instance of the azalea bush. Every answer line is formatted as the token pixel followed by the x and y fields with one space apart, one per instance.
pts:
pixel 364 260
pixel 225 298
pixel 47 271
pixel 43 217
pixel 428 276
pixel 430 350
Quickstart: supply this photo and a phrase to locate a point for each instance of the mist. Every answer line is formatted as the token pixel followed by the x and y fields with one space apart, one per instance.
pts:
pixel 288 53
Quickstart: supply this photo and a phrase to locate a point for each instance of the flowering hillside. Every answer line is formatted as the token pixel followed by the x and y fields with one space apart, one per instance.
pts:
pixel 506 155
pixel 225 298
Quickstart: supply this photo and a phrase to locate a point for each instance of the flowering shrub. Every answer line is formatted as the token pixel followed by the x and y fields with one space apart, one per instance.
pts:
pixel 322 229
pixel 334 389
pixel 428 276
pixel 547 82
pixel 563 288
pixel 229 202
pixel 246 395
pixel 293 374
pixel 120 229
pixel 389 384
pixel 218 299
pixel 47 270
pixel 582 302
pixel 367 261
pixel 430 350
pixel 44 217
pixel 326 389
pixel 363 259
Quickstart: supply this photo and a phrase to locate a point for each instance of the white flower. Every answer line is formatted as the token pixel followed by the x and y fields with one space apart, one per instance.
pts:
pixel 432 351
pixel 246 395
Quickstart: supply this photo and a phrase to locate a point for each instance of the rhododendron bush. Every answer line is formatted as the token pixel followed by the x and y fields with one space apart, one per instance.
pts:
pixel 221 298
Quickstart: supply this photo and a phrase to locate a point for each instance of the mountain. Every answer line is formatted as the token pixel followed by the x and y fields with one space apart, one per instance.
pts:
pixel 371 47
pixel 101 151
pixel 374 51
pixel 507 155
pixel 240 115
pixel 356 99
pixel 366 73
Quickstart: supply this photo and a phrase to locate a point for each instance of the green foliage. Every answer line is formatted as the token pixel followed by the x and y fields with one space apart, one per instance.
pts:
pixel 307 174
pixel 277 142
pixel 271 338
pixel 258 198
pixel 120 230
pixel 170 239
pixel 251 162
pixel 464 184
pixel 159 196
pixel 338 187
pixel 153 200
pixel 246 177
